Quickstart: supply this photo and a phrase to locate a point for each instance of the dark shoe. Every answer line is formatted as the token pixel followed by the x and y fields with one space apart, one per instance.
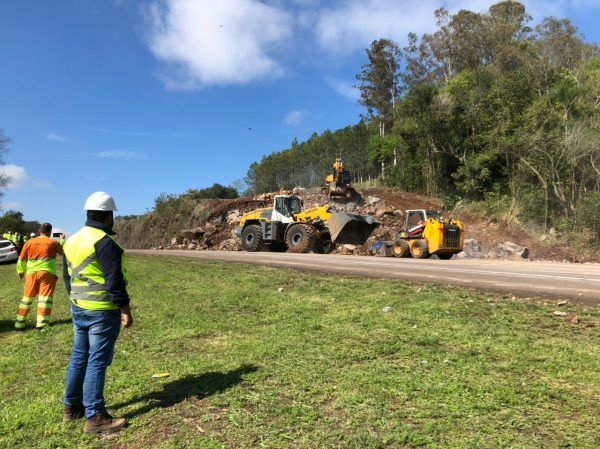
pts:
pixel 73 412
pixel 102 422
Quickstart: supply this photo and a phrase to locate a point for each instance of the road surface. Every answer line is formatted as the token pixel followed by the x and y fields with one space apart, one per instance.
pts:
pixel 554 280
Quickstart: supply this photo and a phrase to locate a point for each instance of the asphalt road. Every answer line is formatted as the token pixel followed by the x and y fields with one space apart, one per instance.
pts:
pixel 554 280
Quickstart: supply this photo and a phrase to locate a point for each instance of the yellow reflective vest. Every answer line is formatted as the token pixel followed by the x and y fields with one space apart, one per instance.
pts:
pixel 88 289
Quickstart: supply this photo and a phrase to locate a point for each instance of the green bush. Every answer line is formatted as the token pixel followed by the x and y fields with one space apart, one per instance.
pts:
pixel 588 214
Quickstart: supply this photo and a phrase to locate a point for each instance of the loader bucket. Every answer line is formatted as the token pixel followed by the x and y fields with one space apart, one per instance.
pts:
pixel 351 229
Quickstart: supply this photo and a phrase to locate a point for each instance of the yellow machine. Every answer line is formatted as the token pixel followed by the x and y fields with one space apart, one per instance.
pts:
pixel 427 232
pixel 285 226
pixel 339 182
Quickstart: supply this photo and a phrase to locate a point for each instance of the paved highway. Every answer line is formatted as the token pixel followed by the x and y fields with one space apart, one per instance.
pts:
pixel 554 280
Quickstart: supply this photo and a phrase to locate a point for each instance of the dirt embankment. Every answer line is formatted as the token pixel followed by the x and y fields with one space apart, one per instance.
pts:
pixel 209 225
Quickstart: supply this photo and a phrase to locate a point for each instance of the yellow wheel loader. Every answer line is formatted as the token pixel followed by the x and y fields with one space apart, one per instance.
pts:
pixel 285 226
pixel 427 232
pixel 339 182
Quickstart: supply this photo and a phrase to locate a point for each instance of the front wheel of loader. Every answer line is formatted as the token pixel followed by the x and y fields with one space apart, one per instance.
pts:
pixel 324 245
pixel 401 248
pixel 300 238
pixel 418 249
pixel 252 238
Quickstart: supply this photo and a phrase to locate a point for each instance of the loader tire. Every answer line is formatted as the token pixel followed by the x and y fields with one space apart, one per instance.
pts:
pixel 401 248
pixel 324 245
pixel 418 249
pixel 300 238
pixel 252 238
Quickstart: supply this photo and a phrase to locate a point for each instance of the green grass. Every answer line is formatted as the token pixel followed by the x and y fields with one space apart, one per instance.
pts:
pixel 318 365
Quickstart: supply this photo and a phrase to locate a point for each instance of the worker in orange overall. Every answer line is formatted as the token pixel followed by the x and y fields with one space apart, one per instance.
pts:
pixel 37 264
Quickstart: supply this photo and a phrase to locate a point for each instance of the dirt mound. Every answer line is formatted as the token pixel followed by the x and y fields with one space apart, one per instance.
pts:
pixel 210 224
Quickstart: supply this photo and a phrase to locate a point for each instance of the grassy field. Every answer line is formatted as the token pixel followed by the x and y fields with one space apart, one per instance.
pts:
pixel 318 365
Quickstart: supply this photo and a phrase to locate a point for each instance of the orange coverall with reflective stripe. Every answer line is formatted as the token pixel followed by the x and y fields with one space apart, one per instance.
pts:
pixel 38 261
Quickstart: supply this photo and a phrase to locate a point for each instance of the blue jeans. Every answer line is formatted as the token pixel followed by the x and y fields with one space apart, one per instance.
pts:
pixel 96 332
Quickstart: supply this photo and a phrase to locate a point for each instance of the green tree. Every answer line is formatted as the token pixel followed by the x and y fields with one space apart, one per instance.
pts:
pixel 379 80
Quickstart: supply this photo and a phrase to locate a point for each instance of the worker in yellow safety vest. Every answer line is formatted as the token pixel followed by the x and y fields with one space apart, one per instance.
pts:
pixel 96 281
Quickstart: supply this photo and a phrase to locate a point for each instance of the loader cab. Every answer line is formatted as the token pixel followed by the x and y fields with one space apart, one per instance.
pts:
pixel 284 208
pixel 415 217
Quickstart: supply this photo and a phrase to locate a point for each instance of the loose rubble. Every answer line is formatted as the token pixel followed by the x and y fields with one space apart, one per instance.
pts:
pixel 215 229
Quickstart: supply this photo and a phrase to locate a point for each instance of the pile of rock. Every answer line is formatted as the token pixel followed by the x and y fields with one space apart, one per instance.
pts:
pixel 217 232
pixel 473 249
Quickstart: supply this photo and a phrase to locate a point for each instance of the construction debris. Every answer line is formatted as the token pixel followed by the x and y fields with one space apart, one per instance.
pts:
pixel 210 226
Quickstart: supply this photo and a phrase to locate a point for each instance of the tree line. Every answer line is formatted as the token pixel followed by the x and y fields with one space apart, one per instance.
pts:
pixel 486 108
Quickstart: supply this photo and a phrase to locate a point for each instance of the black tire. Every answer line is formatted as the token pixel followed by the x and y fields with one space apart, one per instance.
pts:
pixel 401 248
pixel 252 238
pixel 324 245
pixel 445 256
pixel 300 238
pixel 418 249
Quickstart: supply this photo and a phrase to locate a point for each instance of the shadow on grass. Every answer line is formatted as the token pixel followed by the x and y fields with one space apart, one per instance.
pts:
pixel 201 386
pixel 9 325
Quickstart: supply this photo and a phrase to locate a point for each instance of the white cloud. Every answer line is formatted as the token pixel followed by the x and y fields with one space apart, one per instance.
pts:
pixel 295 117
pixel 218 42
pixel 17 175
pixel 117 154
pixel 57 138
pixel 344 88
pixel 353 24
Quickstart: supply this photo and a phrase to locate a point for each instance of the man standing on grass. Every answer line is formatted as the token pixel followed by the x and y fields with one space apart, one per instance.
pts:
pixel 96 282
pixel 37 265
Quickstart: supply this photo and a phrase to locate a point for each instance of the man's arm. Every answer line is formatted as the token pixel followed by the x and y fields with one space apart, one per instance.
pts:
pixel 109 257
pixel 22 262
pixel 66 276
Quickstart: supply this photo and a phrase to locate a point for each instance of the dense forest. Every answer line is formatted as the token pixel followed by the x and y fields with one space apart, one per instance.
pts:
pixel 488 108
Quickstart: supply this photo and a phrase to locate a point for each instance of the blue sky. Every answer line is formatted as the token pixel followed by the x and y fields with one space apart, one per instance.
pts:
pixel 142 97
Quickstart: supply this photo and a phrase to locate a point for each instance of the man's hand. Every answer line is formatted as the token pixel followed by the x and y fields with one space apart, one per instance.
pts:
pixel 21 276
pixel 126 318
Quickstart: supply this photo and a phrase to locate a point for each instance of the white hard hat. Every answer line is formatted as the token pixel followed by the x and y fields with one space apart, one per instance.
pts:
pixel 32 234
pixel 100 201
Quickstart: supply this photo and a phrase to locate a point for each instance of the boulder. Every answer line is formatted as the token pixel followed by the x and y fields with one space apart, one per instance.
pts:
pixel 372 199
pixel 191 246
pixel 233 216
pixel 510 250
pixel 472 249
pixel 384 210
